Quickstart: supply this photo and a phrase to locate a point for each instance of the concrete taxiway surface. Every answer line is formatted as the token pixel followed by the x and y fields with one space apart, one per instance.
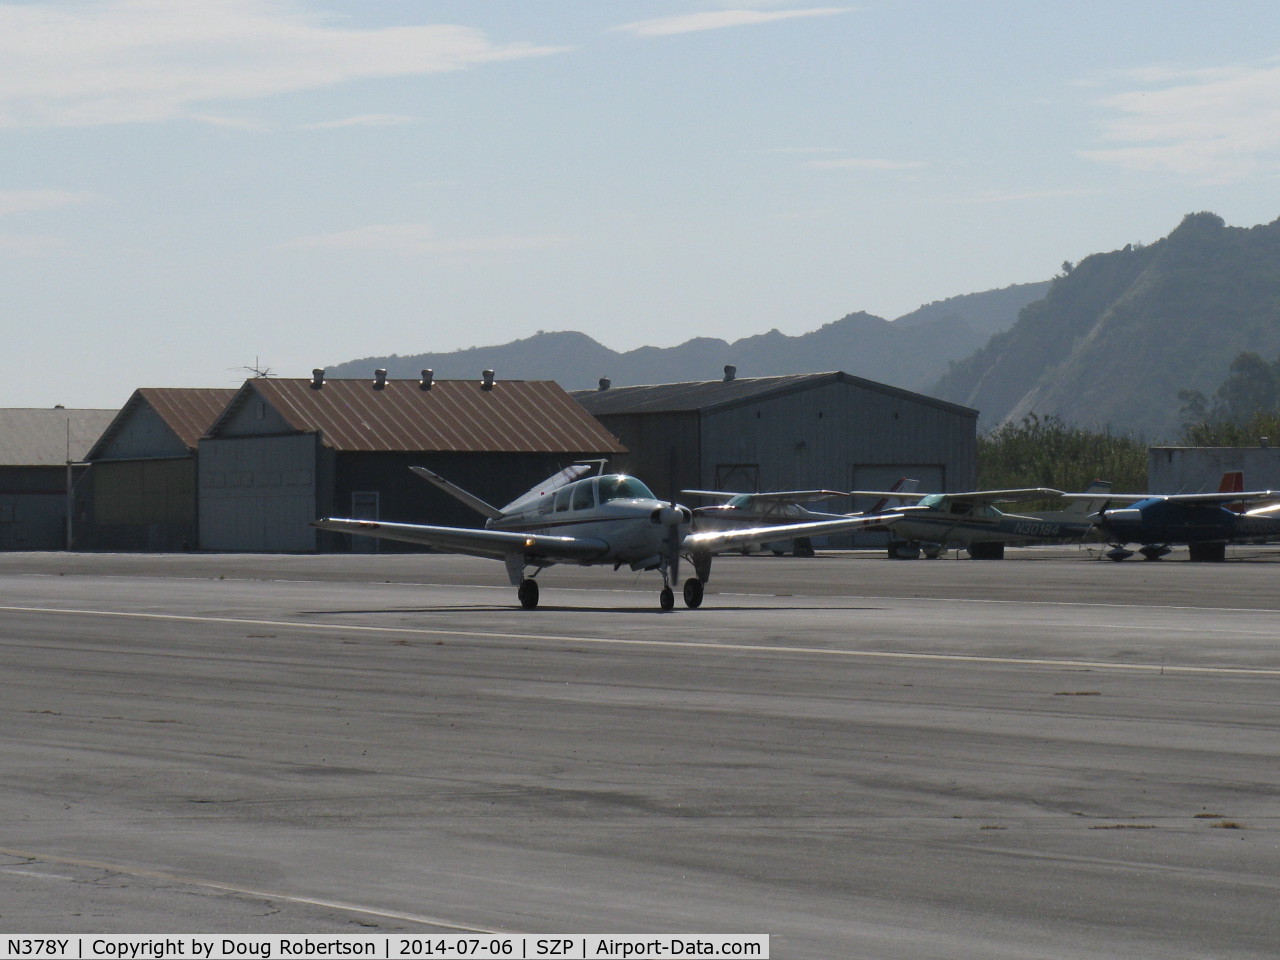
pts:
pixel 1042 757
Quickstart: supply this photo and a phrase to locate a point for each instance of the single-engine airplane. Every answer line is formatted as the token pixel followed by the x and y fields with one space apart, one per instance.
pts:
pixel 571 518
pixel 972 521
pixel 775 508
pixel 1205 522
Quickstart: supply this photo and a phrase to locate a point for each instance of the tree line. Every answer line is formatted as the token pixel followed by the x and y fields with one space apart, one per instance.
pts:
pixel 1047 452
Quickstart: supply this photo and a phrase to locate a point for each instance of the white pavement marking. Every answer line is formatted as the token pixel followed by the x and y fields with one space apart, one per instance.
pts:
pixel 669 644
pixel 248 891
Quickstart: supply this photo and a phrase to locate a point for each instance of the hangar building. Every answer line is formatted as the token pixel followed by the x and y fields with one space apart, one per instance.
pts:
pixel 1198 469
pixel 41 468
pixel 142 478
pixel 287 451
pixel 808 431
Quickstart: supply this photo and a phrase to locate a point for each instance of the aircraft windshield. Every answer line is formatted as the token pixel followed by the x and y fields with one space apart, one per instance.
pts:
pixel 932 500
pixel 621 487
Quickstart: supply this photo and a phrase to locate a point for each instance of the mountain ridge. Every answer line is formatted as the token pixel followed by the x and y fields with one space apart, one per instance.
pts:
pixel 910 352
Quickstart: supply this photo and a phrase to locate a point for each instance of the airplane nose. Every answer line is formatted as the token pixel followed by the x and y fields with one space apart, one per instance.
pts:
pixel 671 516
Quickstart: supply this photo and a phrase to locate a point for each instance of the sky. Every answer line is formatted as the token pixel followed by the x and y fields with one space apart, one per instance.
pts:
pixel 193 190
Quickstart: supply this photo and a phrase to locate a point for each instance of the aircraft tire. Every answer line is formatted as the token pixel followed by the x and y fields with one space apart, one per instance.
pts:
pixel 666 599
pixel 528 594
pixel 1207 552
pixel 986 551
pixel 693 590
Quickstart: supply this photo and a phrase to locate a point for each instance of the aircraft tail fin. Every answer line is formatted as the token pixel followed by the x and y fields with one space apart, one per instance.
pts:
pixel 901 485
pixel 1232 482
pixel 470 499
pixel 1082 509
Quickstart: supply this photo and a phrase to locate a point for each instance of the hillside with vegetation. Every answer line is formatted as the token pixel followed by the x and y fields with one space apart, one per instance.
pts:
pixel 911 352
pixel 1119 336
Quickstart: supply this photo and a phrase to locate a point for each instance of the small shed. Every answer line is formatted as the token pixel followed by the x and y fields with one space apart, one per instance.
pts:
pixel 287 451
pixel 806 431
pixel 41 466
pixel 142 482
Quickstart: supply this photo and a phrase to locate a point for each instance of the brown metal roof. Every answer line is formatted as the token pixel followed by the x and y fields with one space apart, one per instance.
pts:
pixel 515 416
pixel 188 411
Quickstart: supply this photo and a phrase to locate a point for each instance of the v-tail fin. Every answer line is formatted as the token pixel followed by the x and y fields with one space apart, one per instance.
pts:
pixel 470 499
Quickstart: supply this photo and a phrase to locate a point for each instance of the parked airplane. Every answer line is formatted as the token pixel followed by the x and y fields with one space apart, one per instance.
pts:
pixel 972 521
pixel 1205 522
pixel 572 518
pixel 774 508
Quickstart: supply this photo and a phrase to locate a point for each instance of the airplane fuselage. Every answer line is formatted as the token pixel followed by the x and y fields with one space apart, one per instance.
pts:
pixel 631 525
pixel 1164 521
pixel 984 526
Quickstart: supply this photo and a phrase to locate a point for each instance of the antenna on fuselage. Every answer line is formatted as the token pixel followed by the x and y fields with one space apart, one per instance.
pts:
pixel 599 465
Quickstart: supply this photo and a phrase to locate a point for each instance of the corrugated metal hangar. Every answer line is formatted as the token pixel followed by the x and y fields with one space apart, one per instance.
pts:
pixel 41 454
pixel 142 486
pixel 808 431
pixel 285 452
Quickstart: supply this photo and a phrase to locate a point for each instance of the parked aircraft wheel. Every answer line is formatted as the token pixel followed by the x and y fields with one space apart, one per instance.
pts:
pixel 666 599
pixel 903 550
pixel 528 594
pixel 1207 552
pixel 693 590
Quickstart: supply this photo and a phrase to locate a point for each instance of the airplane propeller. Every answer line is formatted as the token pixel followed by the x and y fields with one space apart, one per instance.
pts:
pixel 671 517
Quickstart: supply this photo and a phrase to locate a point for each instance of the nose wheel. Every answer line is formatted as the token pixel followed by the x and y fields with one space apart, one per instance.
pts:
pixel 666 599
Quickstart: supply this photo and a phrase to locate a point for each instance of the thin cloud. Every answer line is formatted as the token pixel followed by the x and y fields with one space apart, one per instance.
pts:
pixel 144 61
pixel 420 239
pixel 365 120
pixel 718 19
pixel 29 201
pixel 865 163
pixel 1218 125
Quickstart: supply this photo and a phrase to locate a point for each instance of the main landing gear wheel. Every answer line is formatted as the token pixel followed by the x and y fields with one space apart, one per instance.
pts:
pixel 528 594
pixel 693 590
pixel 666 599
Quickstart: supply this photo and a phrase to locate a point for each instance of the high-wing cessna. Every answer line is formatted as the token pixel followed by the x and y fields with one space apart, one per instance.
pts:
pixel 971 520
pixel 1205 522
pixel 573 518
pixel 775 508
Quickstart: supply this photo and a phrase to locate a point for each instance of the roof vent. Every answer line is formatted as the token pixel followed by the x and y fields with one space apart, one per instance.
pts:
pixel 730 372
pixel 488 380
pixel 317 378
pixel 605 383
pixel 428 378
pixel 379 379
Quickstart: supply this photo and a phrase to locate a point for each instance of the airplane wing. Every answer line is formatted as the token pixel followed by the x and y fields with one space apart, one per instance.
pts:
pixel 972 496
pixel 713 541
pixel 1216 497
pixel 494 544
pixel 773 496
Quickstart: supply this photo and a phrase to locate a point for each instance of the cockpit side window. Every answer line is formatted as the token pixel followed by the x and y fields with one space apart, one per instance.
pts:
pixel 584 497
pixel 562 498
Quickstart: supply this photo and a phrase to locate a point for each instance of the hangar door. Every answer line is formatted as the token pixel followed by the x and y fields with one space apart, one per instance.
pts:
pixel 258 493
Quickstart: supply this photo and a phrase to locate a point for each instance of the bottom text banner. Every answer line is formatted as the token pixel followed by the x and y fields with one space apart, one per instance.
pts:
pixel 384 946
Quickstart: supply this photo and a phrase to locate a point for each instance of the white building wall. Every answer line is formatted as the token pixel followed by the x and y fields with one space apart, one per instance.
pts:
pixel 1200 469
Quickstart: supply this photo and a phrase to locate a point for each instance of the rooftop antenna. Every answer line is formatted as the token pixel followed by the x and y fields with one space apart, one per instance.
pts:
pixel 257 371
